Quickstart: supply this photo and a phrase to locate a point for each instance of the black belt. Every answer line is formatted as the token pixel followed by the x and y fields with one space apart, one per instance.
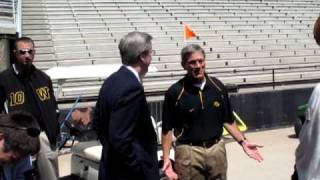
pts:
pixel 205 144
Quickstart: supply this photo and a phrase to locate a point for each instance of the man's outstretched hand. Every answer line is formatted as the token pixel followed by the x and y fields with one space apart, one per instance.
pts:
pixel 251 149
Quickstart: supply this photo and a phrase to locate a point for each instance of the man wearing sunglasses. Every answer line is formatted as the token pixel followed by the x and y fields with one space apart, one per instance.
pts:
pixel 24 87
pixel 18 137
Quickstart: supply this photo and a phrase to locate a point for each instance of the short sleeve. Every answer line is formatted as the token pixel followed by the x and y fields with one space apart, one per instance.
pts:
pixel 168 111
pixel 227 110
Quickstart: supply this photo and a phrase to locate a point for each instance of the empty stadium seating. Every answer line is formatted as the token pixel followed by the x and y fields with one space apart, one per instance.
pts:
pixel 246 41
pixel 7 21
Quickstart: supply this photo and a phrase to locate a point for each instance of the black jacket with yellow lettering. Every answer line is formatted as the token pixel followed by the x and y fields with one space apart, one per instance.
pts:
pixel 32 93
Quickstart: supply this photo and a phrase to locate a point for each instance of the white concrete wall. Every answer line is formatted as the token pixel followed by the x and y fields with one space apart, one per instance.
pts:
pixel 4 54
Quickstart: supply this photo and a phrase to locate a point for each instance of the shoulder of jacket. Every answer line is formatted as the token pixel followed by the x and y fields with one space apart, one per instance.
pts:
pixel 217 83
pixel 39 72
pixel 176 87
pixel 9 69
pixel 215 79
pixel 6 73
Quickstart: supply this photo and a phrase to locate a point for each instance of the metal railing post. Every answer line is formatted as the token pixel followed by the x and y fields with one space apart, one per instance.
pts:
pixel 17 15
pixel 273 79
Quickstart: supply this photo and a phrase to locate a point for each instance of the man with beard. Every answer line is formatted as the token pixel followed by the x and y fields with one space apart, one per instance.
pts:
pixel 24 87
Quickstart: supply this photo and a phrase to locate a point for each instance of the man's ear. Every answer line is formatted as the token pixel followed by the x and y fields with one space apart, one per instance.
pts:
pixel 142 57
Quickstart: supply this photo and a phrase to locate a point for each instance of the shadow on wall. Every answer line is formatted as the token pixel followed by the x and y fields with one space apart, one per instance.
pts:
pixel 270 109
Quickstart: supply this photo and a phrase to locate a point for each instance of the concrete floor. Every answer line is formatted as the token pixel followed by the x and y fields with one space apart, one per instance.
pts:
pixel 278 154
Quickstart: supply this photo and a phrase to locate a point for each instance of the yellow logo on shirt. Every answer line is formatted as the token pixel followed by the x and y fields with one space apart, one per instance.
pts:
pixel 16 98
pixel 216 104
pixel 43 93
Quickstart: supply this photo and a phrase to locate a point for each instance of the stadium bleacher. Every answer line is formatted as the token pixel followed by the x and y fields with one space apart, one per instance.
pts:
pixel 249 43
pixel 7 24
pixel 246 41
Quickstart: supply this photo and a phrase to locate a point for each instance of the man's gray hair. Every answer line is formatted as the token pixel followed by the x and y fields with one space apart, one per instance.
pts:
pixel 188 50
pixel 133 45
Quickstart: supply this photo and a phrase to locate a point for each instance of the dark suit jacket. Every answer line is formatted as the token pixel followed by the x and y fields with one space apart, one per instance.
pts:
pixel 125 130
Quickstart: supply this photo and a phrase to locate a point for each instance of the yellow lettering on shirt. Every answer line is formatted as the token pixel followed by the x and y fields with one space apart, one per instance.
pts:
pixel 43 93
pixel 16 98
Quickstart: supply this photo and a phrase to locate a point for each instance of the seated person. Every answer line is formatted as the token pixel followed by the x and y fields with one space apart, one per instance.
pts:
pixel 82 120
pixel 18 137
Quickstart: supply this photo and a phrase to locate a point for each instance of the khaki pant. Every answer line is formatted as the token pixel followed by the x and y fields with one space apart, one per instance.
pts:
pixel 47 160
pixel 200 163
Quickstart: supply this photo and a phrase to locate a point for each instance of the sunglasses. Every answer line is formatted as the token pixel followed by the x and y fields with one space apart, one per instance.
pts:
pixel 24 51
pixel 33 132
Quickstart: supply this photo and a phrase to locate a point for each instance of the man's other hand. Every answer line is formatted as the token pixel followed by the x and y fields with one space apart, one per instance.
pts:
pixel 168 170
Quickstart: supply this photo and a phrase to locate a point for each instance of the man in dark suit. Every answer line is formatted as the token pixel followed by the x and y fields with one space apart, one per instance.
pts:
pixel 122 118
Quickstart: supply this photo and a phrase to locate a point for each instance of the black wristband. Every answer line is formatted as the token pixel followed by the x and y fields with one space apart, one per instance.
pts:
pixel 242 141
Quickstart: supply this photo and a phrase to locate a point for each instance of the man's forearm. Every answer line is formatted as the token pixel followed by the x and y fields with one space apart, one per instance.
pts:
pixel 234 131
pixel 166 141
pixel 251 149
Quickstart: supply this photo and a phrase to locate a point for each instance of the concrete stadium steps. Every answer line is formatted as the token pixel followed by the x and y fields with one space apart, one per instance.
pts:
pixel 244 35
pixel 7 18
pixel 6 13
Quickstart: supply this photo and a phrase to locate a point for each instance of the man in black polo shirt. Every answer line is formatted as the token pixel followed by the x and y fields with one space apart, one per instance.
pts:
pixel 196 109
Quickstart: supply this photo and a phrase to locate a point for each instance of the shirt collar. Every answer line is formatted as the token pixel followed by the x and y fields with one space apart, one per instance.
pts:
pixel 200 85
pixel 134 72
pixel 15 69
